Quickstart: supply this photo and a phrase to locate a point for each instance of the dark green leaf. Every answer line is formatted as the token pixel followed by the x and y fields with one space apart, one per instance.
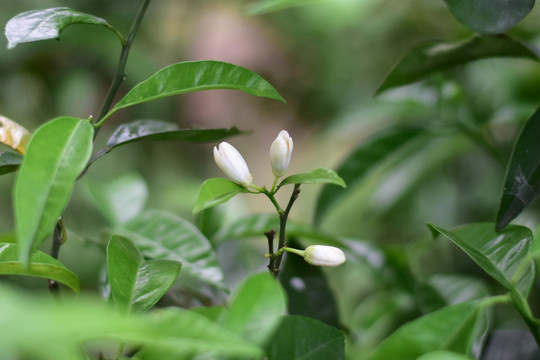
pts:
pixel 303 338
pixel 503 255
pixel 433 56
pixel 362 160
pixel 162 235
pixel 522 180
pixel 216 191
pixel 9 162
pixel 255 308
pixel 56 155
pixel 317 176
pixel 46 24
pixel 41 265
pixel 447 329
pixel 193 76
pixel 490 16
pixel 137 284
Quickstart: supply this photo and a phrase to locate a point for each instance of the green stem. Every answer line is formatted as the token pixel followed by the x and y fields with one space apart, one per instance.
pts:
pixel 59 237
pixel 292 250
pixel 522 307
pixel 120 70
pixel 273 191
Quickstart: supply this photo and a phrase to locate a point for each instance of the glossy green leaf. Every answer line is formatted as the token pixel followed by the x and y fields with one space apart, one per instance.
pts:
pixel 46 24
pixel 300 337
pixel 490 16
pixel 9 162
pixel 40 265
pixel 193 76
pixel 162 235
pixel 317 176
pixel 368 155
pixel 433 56
pixel 503 255
pixel 137 284
pixel 216 191
pixel 522 180
pixel 447 329
pixel 120 199
pixel 255 308
pixel 444 355
pixel 56 155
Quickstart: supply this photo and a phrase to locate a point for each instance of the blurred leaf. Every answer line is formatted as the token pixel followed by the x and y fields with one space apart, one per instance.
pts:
pixel 41 265
pixel 193 76
pixel 46 24
pixel 265 6
pixel 212 313
pixel 490 16
pixel 120 199
pixel 522 180
pixel 307 289
pixel 256 308
pixel 433 56
pixel 443 355
pixel 9 162
pixel 56 155
pixel 137 284
pixel 162 235
pixel 450 328
pixel 300 337
pixel 503 255
pixel 216 191
pixel 317 176
pixel 362 160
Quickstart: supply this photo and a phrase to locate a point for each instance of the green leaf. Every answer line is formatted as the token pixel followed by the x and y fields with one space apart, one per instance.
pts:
pixel 216 191
pixel 193 76
pixel 317 176
pixel 303 338
pixel 46 24
pixel 434 56
pixel 56 155
pixel 9 162
pixel 40 265
pixel 162 235
pixel 490 16
pixel 522 180
pixel 255 308
pixel 120 199
pixel 369 154
pixel 447 329
pixel 503 255
pixel 266 6
pixel 137 284
pixel 443 355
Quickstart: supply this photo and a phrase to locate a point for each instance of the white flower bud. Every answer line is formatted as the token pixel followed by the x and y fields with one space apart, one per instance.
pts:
pixel 13 134
pixel 322 255
pixel 231 162
pixel 280 153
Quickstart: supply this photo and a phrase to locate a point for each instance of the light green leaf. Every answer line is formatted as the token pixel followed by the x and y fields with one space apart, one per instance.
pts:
pixel 47 24
pixel 255 308
pixel 40 265
pixel 137 284
pixel 503 255
pixel 216 191
pixel 56 155
pixel 317 176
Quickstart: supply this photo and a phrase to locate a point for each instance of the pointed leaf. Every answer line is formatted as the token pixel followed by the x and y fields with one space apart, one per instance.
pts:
pixel 56 155
pixel 490 16
pixel 256 308
pixel 433 56
pixel 193 76
pixel 46 24
pixel 137 284
pixel 41 265
pixel 216 191
pixel 522 180
pixel 317 176
pixel 9 162
pixel 303 338
pixel 162 235
pixel 503 255
pixel 362 160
